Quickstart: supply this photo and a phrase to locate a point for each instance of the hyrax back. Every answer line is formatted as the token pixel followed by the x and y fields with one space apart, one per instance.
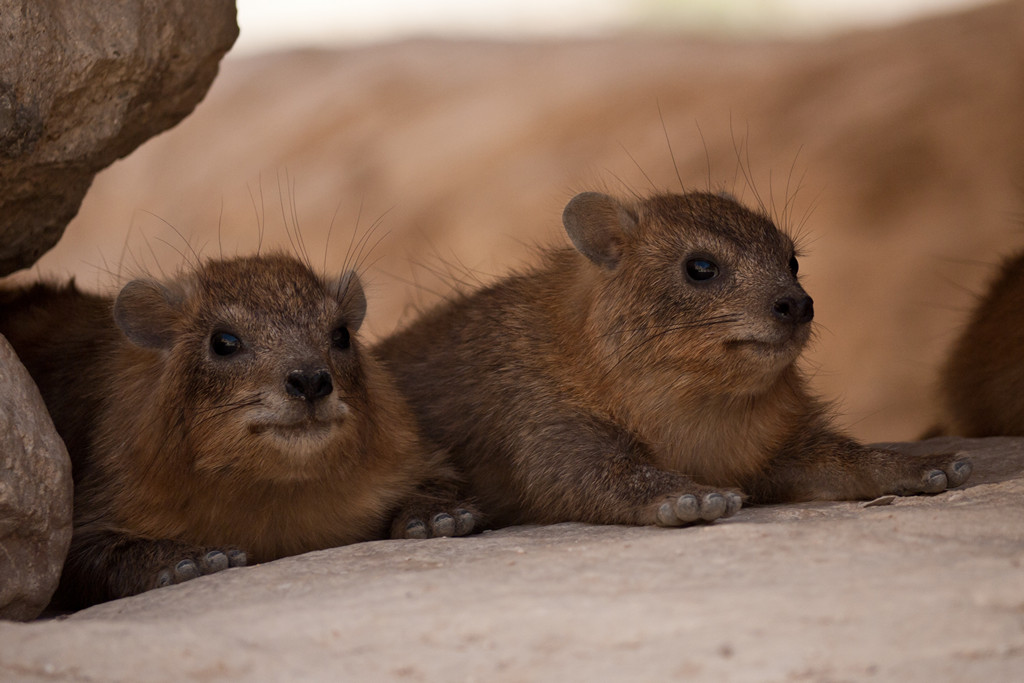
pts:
pixel 648 376
pixel 230 414
pixel 982 381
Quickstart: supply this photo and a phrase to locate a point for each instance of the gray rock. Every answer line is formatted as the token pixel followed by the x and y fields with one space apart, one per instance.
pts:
pixel 35 494
pixel 927 588
pixel 82 84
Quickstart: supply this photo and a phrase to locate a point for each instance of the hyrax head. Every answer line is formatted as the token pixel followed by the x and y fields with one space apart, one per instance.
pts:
pixel 693 284
pixel 261 357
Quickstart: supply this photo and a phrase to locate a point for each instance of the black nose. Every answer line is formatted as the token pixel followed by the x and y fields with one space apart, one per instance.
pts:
pixel 309 385
pixel 794 310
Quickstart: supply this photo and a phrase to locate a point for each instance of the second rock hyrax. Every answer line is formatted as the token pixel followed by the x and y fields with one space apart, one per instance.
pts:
pixel 982 380
pixel 647 376
pixel 228 415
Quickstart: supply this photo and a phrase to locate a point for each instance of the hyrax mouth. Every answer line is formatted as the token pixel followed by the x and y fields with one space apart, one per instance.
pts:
pixel 291 423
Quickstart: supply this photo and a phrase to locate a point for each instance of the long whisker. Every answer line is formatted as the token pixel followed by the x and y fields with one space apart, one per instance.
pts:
pixel 705 322
pixel 668 329
pixel 220 410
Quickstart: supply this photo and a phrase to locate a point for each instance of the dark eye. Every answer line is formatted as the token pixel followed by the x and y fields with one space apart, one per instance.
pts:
pixel 794 265
pixel 701 270
pixel 340 338
pixel 225 343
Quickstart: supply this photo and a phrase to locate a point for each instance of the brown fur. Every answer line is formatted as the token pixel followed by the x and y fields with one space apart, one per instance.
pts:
pixel 183 455
pixel 982 381
pixel 607 386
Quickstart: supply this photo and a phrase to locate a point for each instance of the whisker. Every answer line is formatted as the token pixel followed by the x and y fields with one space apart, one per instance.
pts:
pixel 705 322
pixel 631 351
pixel 213 412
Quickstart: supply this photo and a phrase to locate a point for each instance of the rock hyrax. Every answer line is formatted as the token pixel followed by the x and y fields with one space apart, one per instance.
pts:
pixel 647 376
pixel 982 381
pixel 229 414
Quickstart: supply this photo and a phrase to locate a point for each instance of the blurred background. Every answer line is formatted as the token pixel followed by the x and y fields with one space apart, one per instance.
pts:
pixel 434 144
pixel 266 26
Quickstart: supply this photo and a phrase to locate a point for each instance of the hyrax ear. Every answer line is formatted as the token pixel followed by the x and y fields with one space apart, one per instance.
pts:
pixel 349 292
pixel 597 225
pixel 147 312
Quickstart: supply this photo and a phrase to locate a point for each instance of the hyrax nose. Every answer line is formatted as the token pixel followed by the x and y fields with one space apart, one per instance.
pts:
pixel 309 386
pixel 794 310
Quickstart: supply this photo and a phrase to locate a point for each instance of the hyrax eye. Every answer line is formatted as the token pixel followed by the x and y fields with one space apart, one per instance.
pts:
pixel 225 343
pixel 794 265
pixel 701 270
pixel 340 338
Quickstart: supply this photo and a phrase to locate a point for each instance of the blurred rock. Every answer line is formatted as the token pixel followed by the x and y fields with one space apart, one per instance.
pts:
pixel 35 494
pixel 894 154
pixel 82 84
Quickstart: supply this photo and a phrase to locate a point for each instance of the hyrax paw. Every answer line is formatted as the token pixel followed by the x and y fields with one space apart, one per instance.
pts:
pixel 690 508
pixel 199 564
pixel 936 478
pixel 459 522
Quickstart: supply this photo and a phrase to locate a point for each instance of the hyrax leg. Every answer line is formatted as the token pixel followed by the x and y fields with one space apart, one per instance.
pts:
pixel 588 470
pixel 104 564
pixel 836 468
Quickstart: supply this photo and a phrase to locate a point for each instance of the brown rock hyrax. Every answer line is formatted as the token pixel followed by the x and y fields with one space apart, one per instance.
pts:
pixel 647 377
pixel 982 381
pixel 228 415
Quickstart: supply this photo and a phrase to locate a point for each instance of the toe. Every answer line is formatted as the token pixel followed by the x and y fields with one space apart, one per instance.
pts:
pixel 442 524
pixel 959 472
pixel 164 578
pixel 687 508
pixel 667 516
pixel 464 522
pixel 237 558
pixel 415 529
pixel 934 482
pixel 215 561
pixel 733 503
pixel 186 570
pixel 712 506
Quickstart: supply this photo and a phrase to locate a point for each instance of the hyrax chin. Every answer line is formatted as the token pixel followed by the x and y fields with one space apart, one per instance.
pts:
pixel 230 414
pixel 646 377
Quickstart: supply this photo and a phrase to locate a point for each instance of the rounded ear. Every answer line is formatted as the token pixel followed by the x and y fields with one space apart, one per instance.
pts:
pixel 597 224
pixel 147 313
pixel 349 292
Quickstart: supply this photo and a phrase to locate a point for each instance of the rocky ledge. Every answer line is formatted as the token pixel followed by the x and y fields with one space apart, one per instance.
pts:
pixel 919 589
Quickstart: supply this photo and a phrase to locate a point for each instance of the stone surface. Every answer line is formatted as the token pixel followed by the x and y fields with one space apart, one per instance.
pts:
pixel 82 84
pixel 923 589
pixel 35 494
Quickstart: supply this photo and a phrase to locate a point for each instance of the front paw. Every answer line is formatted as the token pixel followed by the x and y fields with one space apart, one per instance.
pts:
pixel 197 562
pixel 459 521
pixel 690 508
pixel 933 474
